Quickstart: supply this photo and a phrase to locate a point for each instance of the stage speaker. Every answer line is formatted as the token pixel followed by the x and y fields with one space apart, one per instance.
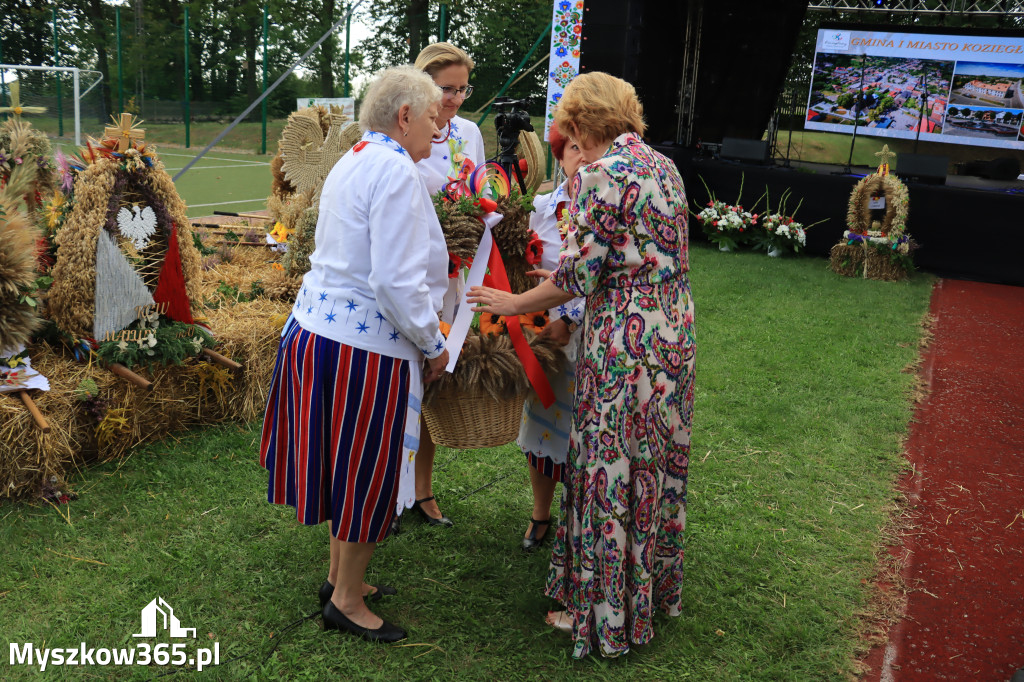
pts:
pixel 1002 168
pixel 739 149
pixel 927 168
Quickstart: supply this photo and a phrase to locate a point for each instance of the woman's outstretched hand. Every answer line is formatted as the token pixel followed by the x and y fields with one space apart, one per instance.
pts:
pixel 539 273
pixel 495 301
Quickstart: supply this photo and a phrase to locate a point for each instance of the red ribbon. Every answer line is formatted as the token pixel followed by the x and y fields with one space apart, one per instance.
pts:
pixel 531 365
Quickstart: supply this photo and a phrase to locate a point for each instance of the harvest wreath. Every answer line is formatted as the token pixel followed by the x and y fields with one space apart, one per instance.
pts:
pixel 479 404
pixel 876 245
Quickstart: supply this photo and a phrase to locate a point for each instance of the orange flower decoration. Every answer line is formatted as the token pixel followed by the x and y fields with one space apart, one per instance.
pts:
pixel 534 321
pixel 492 325
pixel 445 328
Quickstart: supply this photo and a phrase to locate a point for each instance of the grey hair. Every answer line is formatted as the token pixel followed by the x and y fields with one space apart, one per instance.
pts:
pixel 393 89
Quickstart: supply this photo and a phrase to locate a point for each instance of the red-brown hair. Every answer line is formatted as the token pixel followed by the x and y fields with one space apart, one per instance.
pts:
pixel 557 142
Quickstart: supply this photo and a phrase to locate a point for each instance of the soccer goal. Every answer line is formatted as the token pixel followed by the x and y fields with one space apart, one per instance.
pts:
pixel 51 97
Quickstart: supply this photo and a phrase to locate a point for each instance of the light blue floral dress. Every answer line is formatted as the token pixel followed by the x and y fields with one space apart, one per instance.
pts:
pixel 618 552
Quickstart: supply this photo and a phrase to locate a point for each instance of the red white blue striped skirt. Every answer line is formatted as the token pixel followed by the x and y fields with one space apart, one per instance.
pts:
pixel 333 434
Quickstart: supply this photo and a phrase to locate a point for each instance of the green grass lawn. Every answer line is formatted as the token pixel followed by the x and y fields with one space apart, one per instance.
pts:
pixel 834 148
pixel 801 406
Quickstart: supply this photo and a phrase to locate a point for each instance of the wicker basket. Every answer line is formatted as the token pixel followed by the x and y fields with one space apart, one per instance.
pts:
pixel 473 420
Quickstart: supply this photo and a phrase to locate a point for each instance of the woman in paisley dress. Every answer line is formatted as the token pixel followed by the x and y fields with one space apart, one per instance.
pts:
pixel 618 553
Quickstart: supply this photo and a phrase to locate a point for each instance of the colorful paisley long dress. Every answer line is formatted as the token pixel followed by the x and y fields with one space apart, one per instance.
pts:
pixel 618 551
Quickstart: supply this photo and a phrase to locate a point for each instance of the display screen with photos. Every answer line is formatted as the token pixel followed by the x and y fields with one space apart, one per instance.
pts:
pixel 934 87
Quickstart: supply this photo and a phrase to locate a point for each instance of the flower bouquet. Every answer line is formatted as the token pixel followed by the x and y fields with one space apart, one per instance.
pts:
pixel 726 225
pixel 780 232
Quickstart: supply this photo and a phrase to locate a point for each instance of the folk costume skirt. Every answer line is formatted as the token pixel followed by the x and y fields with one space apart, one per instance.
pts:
pixel 333 434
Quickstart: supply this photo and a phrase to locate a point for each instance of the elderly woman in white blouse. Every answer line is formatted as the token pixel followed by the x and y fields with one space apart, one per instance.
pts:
pixel 363 337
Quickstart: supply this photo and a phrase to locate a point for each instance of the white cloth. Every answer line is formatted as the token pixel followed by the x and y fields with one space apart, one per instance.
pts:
pixel 379 271
pixel 407 472
pixel 20 378
pixel 446 158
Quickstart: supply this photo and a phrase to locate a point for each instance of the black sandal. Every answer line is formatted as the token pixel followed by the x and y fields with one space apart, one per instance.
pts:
pixel 443 521
pixel 531 542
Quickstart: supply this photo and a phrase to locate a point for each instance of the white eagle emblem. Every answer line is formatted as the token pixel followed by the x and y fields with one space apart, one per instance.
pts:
pixel 138 228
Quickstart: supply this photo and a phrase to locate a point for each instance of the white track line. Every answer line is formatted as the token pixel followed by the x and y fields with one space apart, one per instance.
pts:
pixel 240 165
pixel 222 203
pixel 215 158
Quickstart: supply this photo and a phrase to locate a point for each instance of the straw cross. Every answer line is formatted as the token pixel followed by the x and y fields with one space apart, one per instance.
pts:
pixel 16 110
pixel 885 155
pixel 124 132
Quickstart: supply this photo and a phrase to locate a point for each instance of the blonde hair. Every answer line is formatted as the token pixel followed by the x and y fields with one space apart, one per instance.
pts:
pixel 599 106
pixel 393 89
pixel 437 56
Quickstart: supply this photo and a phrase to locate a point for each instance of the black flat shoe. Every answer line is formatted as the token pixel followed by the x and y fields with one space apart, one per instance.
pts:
pixel 336 620
pixel 380 591
pixel 396 525
pixel 443 521
pixel 531 542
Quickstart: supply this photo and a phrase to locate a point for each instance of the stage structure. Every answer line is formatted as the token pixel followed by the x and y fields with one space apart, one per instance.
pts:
pixel 1004 8
pixel 704 70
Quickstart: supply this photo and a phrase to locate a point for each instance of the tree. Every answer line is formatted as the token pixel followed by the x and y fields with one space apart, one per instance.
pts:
pixel 495 33
pixel 26 32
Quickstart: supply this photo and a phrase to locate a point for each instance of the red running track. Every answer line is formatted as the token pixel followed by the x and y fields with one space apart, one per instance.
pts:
pixel 964 568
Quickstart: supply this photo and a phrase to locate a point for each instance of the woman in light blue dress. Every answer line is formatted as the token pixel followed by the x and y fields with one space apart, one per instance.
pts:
pixel 544 434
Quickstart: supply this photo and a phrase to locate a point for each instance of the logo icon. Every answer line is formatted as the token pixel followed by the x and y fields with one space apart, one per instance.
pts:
pixel 170 622
pixel 835 40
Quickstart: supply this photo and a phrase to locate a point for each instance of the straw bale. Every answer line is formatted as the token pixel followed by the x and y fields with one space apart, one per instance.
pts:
pixel 848 260
pixel 193 394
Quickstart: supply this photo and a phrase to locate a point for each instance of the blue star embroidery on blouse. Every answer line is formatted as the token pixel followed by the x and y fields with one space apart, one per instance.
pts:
pixel 562 310
pixel 393 335
pixel 309 310
pixel 438 346
pixel 323 295
pixel 329 317
pixel 304 292
pixel 381 138
pixel 362 327
pixel 351 305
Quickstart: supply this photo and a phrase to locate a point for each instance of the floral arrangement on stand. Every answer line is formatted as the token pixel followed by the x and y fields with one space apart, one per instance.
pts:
pixel 876 245
pixel 725 225
pixel 774 231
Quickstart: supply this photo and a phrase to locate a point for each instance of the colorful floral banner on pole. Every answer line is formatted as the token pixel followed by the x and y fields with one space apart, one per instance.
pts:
pixel 564 62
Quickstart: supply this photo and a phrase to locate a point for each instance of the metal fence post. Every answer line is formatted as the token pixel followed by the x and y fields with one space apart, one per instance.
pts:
pixel 56 62
pixel 187 112
pixel 263 104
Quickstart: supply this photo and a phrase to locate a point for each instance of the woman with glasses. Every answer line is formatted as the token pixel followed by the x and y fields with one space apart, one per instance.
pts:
pixel 455 151
pixel 460 139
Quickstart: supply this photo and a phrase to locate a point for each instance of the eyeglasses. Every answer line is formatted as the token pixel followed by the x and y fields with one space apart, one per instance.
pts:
pixel 451 91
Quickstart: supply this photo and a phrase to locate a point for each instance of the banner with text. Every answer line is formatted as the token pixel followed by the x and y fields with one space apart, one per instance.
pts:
pixel 933 87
